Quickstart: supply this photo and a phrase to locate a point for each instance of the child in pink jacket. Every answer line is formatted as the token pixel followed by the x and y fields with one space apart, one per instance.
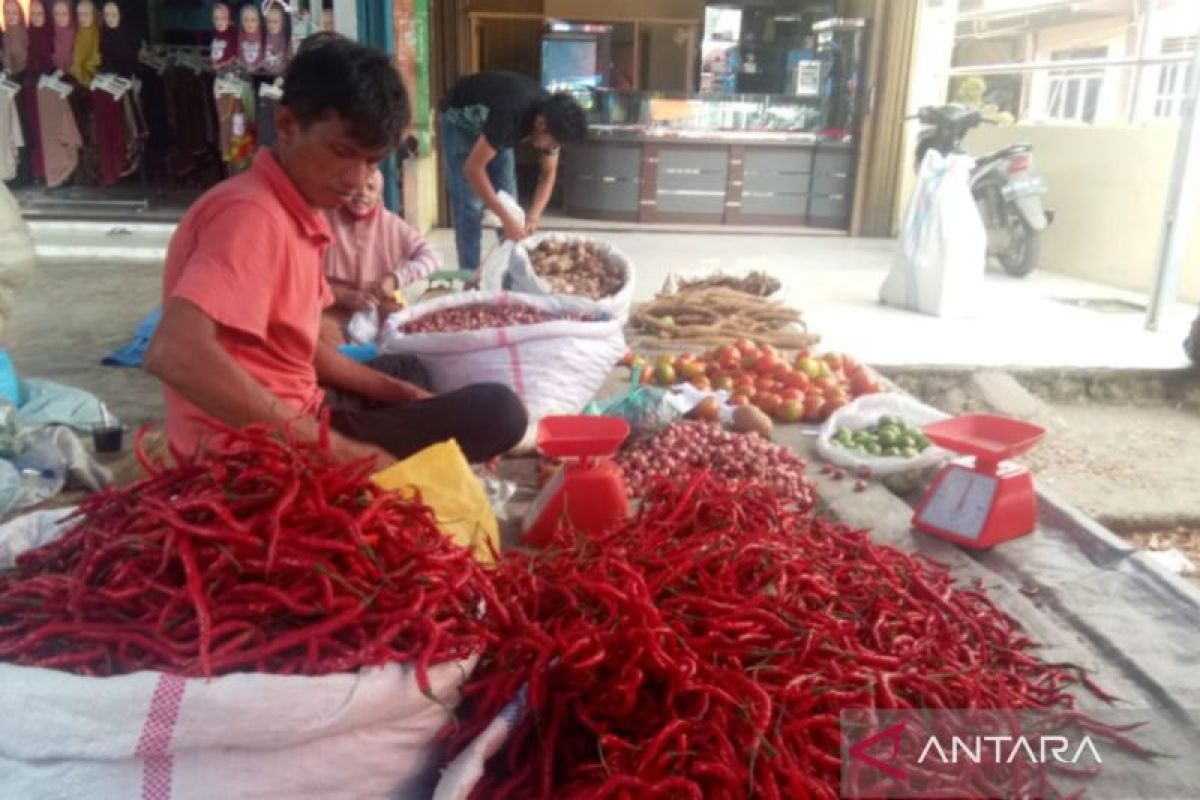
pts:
pixel 373 254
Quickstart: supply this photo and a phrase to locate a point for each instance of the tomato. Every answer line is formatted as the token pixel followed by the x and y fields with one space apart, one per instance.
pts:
pixel 739 400
pixel 791 394
pixel 765 384
pixel 665 359
pixel 744 380
pixel 627 359
pixel 811 367
pixel 782 370
pixel 798 381
pixel 746 346
pixel 765 365
pixel 814 407
pixel 768 402
pixel 723 381
pixel 827 384
pixel 834 360
pixel 702 383
pixel 665 374
pixel 862 381
pixel 790 411
pixel 690 370
pixel 850 364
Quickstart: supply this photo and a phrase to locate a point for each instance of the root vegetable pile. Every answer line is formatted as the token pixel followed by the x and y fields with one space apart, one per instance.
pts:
pixel 480 316
pixel 757 283
pixel 259 554
pixel 706 650
pixel 577 267
pixel 717 315
pixel 739 458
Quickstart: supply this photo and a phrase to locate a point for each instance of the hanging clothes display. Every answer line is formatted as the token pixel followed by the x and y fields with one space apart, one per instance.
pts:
pixel 60 135
pixel 279 39
pixel 41 62
pixel 111 103
pixel 86 58
pixel 224 48
pixel 12 139
pixel 16 38
pixel 195 157
pixel 251 39
pixel 64 35
pixel 16 60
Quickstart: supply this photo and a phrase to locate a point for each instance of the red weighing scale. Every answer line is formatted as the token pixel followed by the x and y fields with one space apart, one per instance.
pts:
pixel 589 489
pixel 984 499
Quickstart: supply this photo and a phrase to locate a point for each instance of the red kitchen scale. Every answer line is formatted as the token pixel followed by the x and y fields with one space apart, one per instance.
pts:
pixel 589 490
pixel 983 499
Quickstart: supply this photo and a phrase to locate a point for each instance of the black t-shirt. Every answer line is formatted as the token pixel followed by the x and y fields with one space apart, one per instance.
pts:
pixel 508 100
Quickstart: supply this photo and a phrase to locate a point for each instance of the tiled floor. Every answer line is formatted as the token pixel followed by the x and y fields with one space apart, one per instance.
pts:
pixel 834 279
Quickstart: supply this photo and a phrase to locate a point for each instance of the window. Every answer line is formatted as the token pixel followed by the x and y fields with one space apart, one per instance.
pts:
pixel 1074 94
pixel 1174 80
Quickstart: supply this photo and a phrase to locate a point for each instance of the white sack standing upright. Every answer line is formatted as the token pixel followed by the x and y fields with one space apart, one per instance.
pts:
pixel 17 257
pixel 942 251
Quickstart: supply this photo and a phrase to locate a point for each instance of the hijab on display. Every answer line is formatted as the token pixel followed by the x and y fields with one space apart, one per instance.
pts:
pixel 16 37
pixel 64 35
pixel 225 38
pixel 279 38
pixel 250 37
pixel 87 43
pixel 117 55
pixel 41 39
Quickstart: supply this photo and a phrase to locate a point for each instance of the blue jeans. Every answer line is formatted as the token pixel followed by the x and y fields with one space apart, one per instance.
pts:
pixel 466 207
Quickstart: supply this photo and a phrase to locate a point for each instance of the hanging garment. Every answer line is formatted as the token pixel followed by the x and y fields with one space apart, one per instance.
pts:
pixel 60 136
pixel 136 131
pixel 86 59
pixel 41 62
pixel 63 55
pixel 12 138
pixel 110 135
pixel 16 40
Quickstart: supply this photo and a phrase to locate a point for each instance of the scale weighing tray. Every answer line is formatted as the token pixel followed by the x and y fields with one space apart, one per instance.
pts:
pixel 588 492
pixel 984 499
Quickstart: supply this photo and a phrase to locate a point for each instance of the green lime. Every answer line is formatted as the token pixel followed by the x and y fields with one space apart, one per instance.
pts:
pixel 909 452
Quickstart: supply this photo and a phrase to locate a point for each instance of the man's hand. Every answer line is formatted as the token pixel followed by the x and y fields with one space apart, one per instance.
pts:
pixel 347 449
pixel 531 224
pixel 353 299
pixel 513 230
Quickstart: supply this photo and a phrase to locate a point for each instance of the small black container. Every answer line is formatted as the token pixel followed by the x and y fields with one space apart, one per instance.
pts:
pixel 108 440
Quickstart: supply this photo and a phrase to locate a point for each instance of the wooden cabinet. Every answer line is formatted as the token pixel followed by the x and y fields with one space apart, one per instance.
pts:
pixel 657 180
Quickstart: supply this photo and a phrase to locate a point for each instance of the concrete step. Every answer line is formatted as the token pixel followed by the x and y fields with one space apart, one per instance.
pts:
pixel 70 240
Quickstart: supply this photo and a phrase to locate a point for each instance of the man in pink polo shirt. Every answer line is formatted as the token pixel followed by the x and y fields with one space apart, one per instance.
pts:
pixel 243 288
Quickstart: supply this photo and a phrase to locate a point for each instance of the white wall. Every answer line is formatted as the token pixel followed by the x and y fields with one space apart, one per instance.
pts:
pixel 1108 189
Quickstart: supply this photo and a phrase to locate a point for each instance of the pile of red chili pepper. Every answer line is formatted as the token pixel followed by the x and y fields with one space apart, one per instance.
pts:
pixel 706 650
pixel 259 554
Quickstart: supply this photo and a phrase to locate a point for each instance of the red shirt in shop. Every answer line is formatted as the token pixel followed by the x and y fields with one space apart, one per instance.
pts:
pixel 248 254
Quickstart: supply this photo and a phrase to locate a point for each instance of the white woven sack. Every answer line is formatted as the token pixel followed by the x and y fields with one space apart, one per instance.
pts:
pixel 522 278
pixel 554 367
pixel 865 412
pixel 17 257
pixel 351 736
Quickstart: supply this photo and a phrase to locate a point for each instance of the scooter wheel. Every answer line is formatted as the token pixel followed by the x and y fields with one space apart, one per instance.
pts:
pixel 1024 248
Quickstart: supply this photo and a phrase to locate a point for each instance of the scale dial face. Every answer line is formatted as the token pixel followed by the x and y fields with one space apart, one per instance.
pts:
pixel 961 503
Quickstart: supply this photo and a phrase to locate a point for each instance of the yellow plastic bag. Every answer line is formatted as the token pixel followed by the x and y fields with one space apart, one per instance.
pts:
pixel 442 476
